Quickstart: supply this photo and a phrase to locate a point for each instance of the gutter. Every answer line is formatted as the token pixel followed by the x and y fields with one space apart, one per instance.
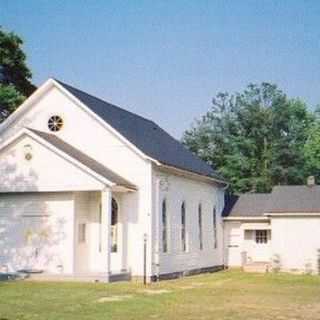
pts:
pixel 184 172
pixel 293 214
pixel 246 218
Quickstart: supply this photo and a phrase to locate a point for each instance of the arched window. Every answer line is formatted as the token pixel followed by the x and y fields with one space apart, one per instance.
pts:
pixel 215 239
pixel 164 226
pixel 200 226
pixel 114 226
pixel 183 227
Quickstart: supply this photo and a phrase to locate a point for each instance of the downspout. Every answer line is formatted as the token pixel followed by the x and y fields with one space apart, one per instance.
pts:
pixel 223 230
pixel 157 229
pixel 223 227
pixel 223 246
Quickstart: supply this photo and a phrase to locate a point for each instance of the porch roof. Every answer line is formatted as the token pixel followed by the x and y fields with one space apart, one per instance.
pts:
pixel 84 159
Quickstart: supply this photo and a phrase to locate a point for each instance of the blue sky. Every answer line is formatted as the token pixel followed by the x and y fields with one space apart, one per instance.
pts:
pixel 166 59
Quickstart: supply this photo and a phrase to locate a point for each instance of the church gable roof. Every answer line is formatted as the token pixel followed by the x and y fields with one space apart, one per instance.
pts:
pixel 145 135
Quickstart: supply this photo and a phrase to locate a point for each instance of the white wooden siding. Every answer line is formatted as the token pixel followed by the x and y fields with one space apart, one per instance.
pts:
pixel 192 192
pixel 46 171
pixel 296 240
pixel 41 222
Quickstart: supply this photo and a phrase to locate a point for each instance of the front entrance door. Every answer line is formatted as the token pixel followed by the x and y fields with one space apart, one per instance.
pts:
pixel 116 231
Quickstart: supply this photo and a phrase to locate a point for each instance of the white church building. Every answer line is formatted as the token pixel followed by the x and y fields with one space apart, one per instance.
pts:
pixel 91 190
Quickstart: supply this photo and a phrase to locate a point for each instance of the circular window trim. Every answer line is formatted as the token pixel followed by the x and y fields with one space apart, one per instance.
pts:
pixel 55 123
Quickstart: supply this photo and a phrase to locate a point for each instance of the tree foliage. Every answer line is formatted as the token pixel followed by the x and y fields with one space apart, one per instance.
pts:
pixel 15 76
pixel 312 148
pixel 255 139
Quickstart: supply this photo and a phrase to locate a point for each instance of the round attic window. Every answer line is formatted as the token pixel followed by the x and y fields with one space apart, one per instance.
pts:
pixel 55 123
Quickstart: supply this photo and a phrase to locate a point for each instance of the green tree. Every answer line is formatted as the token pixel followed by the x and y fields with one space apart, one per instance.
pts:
pixel 254 139
pixel 10 98
pixel 15 76
pixel 312 148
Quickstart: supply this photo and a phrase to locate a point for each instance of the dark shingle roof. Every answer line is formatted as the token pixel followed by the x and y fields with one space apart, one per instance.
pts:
pixel 84 159
pixel 147 136
pixel 246 205
pixel 294 199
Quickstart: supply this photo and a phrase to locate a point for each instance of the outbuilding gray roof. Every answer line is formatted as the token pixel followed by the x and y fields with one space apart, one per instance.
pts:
pixel 147 136
pixel 246 205
pixel 282 199
pixel 294 199
pixel 84 159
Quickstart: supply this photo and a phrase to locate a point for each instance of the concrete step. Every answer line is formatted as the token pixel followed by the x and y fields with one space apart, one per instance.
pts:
pixel 120 276
pixel 259 266
pixel 83 277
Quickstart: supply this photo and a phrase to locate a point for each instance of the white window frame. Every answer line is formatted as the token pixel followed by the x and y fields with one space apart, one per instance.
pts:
pixel 164 225
pixel 82 233
pixel 183 231
pixel 200 226
pixel 214 222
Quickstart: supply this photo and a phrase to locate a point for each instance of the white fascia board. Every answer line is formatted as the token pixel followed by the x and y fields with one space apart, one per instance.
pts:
pixel 245 218
pixel 292 214
pixel 26 104
pixel 191 174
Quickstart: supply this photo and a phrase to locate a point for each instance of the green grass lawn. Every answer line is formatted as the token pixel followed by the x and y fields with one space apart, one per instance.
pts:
pixel 223 295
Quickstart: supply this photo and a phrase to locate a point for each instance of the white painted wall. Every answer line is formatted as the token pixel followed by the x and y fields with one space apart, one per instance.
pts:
pixel 176 189
pixel 41 222
pixel 238 240
pixel 233 243
pixel 296 240
pixel 46 171
pixel 82 249
pixel 256 252
pixel 88 254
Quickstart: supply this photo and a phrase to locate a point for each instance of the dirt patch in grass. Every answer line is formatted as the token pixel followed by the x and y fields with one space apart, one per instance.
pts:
pixel 155 291
pixel 114 298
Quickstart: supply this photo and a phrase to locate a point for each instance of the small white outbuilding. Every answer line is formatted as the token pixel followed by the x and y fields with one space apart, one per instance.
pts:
pixel 280 229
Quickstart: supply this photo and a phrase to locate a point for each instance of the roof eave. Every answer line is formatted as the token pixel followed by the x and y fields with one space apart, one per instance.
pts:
pixel 180 171
pixel 237 218
pixel 293 213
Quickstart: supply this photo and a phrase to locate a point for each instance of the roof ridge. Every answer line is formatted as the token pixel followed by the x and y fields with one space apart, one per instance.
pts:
pixel 104 101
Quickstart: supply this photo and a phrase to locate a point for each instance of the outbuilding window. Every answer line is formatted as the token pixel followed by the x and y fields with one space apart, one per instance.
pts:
pixel 261 236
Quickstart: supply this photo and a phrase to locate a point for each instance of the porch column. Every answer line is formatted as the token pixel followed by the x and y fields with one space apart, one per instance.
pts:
pixel 106 200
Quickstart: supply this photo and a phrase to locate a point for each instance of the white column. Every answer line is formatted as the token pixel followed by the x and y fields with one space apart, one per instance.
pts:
pixel 106 200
